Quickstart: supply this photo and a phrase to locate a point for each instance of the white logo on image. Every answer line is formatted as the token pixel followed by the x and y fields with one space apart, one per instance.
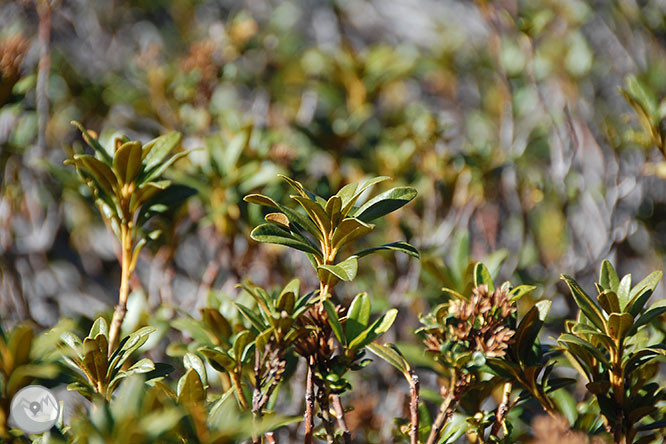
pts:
pixel 34 409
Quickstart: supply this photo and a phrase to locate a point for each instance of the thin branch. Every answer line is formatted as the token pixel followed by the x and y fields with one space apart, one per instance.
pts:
pixel 308 417
pixel 340 415
pixel 414 386
pixel 44 37
pixel 502 409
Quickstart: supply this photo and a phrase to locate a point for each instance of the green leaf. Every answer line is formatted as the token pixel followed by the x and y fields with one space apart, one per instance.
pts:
pixel 518 292
pixel 316 213
pixel 127 161
pixel 146 192
pixel 217 323
pixel 157 171
pixel 333 208
pixel 275 235
pixel 403 247
pixel 165 200
pixel 391 354
pixel 190 389
pixel 19 344
pixel 642 291
pixel 482 277
pixel 73 342
pixel 385 203
pixel 99 327
pixel 294 217
pixel 358 316
pixel 619 325
pixel 218 359
pixel 585 303
pixel 334 321
pixel 260 199
pixel 528 331
pixel 377 328
pixel 646 318
pixel 297 186
pixel 345 270
pixel 250 316
pixel 241 342
pixel 192 361
pixel 99 171
pixel 348 230
pixel 623 292
pixel 155 151
pixel 142 366
pixel 286 301
pixel 609 301
pixel 93 143
pixel 568 338
pixel 608 278
pixel 350 193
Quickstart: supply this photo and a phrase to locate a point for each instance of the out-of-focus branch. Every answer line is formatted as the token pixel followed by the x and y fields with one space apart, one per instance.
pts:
pixel 44 9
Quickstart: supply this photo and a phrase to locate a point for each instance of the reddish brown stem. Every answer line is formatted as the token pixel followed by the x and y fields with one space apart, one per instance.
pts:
pixel 502 409
pixel 441 418
pixel 340 415
pixel 414 386
pixel 308 418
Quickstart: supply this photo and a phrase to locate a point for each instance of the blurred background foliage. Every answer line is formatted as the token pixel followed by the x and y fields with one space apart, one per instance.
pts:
pixel 532 131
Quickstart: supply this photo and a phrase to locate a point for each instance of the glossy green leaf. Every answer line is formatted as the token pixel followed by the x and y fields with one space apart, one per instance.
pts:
pixel 385 203
pixel 642 291
pixel 217 323
pixel 93 143
pixel 402 247
pixel 482 277
pixel 192 361
pixel 348 230
pixel 218 359
pixel 250 316
pixel 518 292
pixel 646 318
pixel 99 327
pixel 157 171
pixel 608 277
pixel 316 213
pixel 190 389
pixel 334 321
pixel 241 342
pixel 345 270
pixel 127 161
pixel 333 208
pixel 377 328
pixel 358 316
pixel 623 291
pixel 155 151
pixel 275 235
pixel 609 301
pixel 589 348
pixel 585 303
pixel 350 197
pixel 142 366
pixel 391 354
pixel 102 174
pixel 619 325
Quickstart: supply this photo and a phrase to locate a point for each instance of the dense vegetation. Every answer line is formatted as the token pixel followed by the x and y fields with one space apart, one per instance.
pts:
pixel 369 221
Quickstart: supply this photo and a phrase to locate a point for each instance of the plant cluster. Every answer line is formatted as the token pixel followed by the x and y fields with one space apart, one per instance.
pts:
pixel 529 136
